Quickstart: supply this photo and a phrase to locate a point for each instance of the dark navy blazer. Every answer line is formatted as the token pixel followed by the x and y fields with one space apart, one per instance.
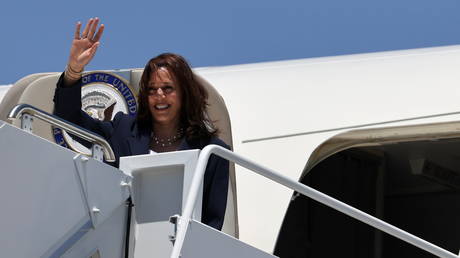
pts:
pixel 127 138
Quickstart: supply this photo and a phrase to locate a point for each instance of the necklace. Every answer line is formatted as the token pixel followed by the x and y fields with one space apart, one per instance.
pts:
pixel 168 141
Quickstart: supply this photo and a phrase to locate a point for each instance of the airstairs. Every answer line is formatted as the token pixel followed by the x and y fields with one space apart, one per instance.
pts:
pixel 63 204
pixel 59 203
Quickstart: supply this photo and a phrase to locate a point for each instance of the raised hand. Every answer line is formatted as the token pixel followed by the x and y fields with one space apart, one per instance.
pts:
pixel 84 46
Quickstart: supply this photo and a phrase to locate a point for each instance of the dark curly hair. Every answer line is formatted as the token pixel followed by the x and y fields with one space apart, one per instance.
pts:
pixel 193 114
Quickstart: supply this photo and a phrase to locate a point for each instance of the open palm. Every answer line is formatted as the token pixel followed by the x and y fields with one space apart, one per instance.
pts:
pixel 84 46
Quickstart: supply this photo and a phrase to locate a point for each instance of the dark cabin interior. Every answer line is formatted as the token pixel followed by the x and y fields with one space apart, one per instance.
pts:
pixel 412 185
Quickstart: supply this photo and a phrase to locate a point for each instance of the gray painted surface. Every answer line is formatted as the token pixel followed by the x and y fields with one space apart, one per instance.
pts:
pixel 159 189
pixel 205 242
pixel 41 196
pixel 107 239
pixel 44 204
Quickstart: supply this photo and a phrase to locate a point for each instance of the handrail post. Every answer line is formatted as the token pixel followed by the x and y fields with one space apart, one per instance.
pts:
pixel 184 219
pixel 27 123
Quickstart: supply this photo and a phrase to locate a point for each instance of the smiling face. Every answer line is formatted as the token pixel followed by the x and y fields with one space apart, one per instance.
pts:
pixel 164 99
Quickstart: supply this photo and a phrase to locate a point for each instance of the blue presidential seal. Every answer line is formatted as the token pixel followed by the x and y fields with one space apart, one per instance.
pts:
pixel 102 96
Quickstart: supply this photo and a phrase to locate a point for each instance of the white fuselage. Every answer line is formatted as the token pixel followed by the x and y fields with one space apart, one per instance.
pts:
pixel 3 90
pixel 332 94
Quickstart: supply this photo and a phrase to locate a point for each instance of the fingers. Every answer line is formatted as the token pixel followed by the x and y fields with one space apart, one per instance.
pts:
pixel 92 28
pixel 99 33
pixel 85 32
pixel 77 30
pixel 93 49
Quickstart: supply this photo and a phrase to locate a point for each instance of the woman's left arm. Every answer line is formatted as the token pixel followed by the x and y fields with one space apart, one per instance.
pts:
pixel 215 196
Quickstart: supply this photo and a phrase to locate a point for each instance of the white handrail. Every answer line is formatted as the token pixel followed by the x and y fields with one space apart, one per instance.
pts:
pixel 20 109
pixel 296 186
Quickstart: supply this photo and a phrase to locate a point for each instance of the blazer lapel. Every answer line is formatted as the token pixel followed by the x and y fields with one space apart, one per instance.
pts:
pixel 139 141
pixel 184 145
pixel 188 145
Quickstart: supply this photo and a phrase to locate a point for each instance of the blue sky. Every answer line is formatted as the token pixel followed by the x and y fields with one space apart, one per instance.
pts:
pixel 36 35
